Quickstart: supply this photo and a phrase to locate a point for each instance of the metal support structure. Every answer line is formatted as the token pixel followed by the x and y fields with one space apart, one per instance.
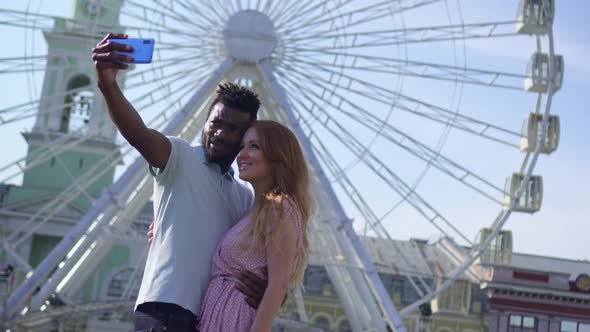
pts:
pixel 77 236
pixel 375 283
pixel 74 273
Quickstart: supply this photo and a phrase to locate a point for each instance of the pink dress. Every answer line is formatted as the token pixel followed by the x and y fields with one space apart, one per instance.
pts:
pixel 224 308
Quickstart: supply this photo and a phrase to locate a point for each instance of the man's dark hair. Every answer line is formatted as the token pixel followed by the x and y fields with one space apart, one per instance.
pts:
pixel 237 97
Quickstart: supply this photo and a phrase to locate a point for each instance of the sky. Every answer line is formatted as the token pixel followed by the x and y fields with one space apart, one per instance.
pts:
pixel 560 229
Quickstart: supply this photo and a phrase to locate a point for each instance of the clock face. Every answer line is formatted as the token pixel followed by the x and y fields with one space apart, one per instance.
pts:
pixel 93 7
pixel 583 282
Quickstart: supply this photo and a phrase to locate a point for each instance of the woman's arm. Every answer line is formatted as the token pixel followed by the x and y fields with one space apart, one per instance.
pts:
pixel 279 270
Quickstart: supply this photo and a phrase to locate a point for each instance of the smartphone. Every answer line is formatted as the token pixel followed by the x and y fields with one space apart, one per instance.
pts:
pixel 143 48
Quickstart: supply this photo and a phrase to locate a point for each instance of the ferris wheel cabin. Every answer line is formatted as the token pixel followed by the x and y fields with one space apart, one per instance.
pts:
pixel 531 134
pixel 500 249
pixel 538 75
pixel 533 16
pixel 532 196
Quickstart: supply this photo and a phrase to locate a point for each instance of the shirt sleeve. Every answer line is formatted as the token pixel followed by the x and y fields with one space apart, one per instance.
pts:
pixel 163 175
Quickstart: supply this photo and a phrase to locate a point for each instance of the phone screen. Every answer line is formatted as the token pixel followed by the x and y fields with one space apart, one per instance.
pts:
pixel 143 48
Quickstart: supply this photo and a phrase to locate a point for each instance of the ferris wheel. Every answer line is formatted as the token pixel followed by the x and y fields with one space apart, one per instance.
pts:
pixel 410 112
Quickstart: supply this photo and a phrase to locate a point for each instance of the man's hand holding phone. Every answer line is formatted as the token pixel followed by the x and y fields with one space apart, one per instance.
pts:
pixel 115 51
pixel 107 59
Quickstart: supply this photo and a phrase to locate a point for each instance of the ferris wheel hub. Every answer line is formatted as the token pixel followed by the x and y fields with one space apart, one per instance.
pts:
pixel 249 36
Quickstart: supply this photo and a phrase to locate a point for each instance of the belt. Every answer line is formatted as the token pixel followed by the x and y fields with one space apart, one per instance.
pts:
pixel 170 310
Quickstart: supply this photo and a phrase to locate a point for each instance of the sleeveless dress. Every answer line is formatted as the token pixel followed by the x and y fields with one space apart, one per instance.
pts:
pixel 224 308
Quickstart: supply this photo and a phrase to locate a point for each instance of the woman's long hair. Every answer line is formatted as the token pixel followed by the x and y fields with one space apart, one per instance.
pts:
pixel 289 196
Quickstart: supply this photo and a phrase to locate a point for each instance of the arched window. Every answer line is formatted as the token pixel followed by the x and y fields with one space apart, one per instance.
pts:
pixel 322 322
pixel 344 326
pixel 77 105
pixel 120 282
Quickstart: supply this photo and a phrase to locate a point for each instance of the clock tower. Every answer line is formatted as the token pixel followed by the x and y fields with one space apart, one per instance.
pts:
pixel 72 125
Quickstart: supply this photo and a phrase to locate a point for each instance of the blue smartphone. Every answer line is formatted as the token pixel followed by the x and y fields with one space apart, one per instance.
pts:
pixel 143 48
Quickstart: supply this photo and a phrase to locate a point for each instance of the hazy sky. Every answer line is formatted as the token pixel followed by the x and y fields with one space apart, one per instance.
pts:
pixel 559 229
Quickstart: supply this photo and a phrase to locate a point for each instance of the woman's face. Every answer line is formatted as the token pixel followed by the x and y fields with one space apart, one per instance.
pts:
pixel 253 165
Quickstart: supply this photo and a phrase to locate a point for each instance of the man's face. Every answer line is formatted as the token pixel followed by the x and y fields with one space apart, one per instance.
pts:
pixel 223 133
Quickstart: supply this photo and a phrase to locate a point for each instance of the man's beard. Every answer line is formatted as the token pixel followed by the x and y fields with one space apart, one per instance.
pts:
pixel 209 156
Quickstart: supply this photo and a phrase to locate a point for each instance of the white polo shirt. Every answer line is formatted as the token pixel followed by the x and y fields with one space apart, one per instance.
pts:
pixel 194 205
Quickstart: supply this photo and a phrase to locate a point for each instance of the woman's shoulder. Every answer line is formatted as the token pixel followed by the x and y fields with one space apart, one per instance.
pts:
pixel 290 209
pixel 291 214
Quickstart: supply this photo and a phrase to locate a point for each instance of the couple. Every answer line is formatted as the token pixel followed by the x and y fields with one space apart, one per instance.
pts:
pixel 220 259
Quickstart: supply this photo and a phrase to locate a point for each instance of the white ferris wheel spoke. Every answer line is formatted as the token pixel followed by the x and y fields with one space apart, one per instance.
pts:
pixel 12 65
pixel 362 206
pixel 150 15
pixel 425 70
pixel 23 111
pixel 367 39
pixel 417 107
pixel 338 173
pixel 389 177
pixel 354 16
pixel 295 9
pixel 403 140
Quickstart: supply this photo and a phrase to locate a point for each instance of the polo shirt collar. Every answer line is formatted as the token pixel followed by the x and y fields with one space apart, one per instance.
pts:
pixel 203 159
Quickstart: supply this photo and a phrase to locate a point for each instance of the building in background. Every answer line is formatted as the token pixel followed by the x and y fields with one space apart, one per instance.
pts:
pixel 506 291
pixel 535 293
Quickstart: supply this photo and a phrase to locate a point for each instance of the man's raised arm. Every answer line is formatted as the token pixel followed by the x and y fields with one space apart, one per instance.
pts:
pixel 151 144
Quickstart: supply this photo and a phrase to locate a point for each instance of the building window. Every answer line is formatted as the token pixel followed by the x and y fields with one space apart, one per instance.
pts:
pixel 316 281
pixel 521 323
pixel 121 285
pixel 456 297
pixel 294 315
pixel 409 293
pixel 395 287
pixel 78 105
pixel 478 299
pixel 573 326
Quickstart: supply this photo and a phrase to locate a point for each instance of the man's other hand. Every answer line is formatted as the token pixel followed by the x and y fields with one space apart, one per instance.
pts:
pixel 150 233
pixel 252 286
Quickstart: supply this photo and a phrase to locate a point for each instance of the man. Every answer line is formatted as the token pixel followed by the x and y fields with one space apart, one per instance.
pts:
pixel 196 198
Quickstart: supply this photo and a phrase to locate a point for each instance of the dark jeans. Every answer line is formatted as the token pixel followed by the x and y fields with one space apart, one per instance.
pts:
pixel 164 317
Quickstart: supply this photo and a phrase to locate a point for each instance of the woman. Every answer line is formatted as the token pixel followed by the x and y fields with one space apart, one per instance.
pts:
pixel 272 236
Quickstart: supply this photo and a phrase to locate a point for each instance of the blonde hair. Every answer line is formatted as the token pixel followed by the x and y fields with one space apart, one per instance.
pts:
pixel 291 190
